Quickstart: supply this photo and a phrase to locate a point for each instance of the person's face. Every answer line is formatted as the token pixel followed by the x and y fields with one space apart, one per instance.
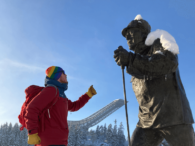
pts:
pixel 63 78
pixel 133 36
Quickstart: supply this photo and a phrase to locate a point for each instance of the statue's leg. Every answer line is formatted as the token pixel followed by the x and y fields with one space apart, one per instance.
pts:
pixel 146 137
pixel 179 135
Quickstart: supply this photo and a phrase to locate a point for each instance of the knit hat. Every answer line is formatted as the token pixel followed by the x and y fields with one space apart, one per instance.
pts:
pixel 54 72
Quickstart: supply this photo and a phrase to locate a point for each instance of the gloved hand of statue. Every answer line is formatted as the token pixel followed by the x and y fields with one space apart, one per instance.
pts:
pixel 121 56
pixel 34 139
pixel 91 91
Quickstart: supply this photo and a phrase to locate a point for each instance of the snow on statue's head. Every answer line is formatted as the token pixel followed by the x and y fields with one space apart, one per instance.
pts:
pixel 138 22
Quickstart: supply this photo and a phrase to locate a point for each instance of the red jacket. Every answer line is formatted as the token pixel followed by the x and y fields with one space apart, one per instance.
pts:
pixel 55 120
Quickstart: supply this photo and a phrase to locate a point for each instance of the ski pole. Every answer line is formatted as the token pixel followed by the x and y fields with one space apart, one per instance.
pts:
pixel 122 67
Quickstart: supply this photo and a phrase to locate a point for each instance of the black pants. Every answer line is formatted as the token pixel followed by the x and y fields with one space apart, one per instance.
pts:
pixel 178 135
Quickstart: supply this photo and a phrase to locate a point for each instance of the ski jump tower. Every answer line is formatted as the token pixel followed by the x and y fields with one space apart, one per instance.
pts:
pixel 99 115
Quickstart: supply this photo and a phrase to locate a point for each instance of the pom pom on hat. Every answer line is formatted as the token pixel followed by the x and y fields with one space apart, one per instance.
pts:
pixel 54 72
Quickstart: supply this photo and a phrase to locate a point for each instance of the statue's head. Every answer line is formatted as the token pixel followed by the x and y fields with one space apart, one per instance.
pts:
pixel 136 32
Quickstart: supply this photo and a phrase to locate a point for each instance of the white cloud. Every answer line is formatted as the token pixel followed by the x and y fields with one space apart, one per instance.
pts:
pixel 11 63
pixel 18 67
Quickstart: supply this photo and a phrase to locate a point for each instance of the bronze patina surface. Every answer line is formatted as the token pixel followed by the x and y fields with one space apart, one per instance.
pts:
pixel 163 104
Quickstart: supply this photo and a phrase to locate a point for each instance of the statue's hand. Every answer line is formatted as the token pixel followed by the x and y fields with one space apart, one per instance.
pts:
pixel 121 56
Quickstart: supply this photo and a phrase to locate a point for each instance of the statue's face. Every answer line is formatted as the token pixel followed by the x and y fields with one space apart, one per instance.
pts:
pixel 133 36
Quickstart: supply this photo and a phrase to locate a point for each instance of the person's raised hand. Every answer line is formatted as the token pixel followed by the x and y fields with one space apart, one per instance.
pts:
pixel 121 56
pixel 91 91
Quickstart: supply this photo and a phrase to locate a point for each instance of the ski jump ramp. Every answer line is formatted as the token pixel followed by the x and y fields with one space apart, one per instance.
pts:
pixel 99 115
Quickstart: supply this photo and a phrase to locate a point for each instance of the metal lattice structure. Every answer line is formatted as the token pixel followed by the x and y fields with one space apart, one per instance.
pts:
pixel 99 115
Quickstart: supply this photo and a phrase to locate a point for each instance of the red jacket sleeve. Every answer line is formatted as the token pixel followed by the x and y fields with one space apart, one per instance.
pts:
pixel 76 105
pixel 36 106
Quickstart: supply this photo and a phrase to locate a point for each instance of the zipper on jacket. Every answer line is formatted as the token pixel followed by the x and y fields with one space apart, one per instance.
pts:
pixel 48 113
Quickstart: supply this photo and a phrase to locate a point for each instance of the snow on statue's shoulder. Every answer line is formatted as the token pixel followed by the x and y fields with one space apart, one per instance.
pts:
pixel 168 42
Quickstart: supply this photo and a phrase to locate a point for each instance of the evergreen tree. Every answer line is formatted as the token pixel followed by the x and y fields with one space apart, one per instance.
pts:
pixel 98 133
pixel 121 136
pixel 104 134
pixel 16 134
pixel 9 133
pixel 105 130
pixel 1 135
pixel 4 135
pixel 23 138
pixel 90 133
pixel 79 136
pixel 84 135
pixel 115 140
pixel 93 136
pixel 71 136
pixel 109 134
pixel 102 138
pixel 11 141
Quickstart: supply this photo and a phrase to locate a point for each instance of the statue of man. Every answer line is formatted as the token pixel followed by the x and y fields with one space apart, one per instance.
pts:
pixel 164 111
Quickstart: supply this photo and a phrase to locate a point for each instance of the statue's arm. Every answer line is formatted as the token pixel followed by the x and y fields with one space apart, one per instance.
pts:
pixel 154 65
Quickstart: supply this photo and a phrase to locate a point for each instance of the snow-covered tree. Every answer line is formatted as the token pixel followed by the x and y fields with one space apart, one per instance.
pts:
pixel 9 133
pixel 71 136
pixel 101 130
pixel 93 136
pixel 105 130
pixel 109 134
pixel 115 136
pixel 16 134
pixel 24 137
pixel 79 135
pixel 4 135
pixel 84 135
pixel 10 128
pixel 121 136
pixel 90 133
pixel 98 133
pixel 102 138
pixel 1 135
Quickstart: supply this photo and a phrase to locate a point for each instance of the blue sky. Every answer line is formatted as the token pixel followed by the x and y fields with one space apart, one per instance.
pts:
pixel 80 37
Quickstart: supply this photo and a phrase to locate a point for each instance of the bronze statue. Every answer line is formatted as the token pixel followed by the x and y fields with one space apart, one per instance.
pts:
pixel 164 111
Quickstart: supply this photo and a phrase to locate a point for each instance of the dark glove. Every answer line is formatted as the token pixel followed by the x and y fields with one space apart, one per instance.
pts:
pixel 34 139
pixel 121 56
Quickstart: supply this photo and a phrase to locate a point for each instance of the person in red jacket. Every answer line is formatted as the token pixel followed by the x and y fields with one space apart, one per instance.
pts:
pixel 55 121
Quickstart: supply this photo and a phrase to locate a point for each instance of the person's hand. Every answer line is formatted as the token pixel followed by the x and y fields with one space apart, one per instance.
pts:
pixel 34 139
pixel 91 91
pixel 121 56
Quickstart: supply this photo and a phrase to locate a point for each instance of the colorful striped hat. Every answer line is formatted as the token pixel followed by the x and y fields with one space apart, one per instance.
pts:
pixel 54 72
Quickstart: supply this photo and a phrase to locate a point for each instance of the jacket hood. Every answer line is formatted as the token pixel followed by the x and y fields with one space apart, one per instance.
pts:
pixel 32 90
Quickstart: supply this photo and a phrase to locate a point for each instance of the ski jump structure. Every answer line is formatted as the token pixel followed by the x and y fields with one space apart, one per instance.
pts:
pixel 99 115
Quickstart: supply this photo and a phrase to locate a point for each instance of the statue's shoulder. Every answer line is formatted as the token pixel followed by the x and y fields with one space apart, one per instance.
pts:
pixel 161 41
